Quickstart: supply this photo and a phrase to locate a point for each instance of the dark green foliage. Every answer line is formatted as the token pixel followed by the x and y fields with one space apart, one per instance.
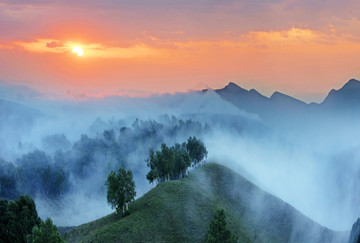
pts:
pixel 161 164
pixel 171 162
pixel 120 189
pixel 196 149
pixel 218 233
pixel 152 164
pixel 182 160
pixel 46 232
pixel 19 217
pixel 165 162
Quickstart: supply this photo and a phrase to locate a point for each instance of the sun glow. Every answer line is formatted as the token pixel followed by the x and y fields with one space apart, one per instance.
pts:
pixel 78 50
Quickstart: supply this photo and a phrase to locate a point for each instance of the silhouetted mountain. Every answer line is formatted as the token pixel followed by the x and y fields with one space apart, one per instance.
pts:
pixel 278 105
pixel 346 98
pixel 248 100
pixel 281 98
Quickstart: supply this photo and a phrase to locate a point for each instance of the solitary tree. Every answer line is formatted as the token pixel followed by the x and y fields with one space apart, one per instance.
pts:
pixel 120 190
pixel 46 232
pixel 218 233
pixel 196 149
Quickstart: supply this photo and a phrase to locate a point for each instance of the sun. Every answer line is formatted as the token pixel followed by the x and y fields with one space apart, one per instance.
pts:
pixel 78 50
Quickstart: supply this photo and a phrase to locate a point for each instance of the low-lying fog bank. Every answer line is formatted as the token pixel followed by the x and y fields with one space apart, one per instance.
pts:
pixel 312 164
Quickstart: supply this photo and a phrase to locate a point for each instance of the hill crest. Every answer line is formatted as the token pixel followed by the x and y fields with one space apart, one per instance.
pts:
pixel 180 211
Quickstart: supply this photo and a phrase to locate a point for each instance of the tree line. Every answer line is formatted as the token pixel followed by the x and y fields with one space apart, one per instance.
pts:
pixel 170 163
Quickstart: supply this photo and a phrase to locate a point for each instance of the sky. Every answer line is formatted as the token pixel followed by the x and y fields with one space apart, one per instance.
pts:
pixel 138 48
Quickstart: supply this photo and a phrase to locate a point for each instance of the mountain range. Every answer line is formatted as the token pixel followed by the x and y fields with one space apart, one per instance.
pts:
pixel 278 105
pixel 342 100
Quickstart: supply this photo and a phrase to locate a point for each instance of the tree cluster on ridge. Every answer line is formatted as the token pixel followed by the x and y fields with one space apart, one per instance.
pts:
pixel 171 163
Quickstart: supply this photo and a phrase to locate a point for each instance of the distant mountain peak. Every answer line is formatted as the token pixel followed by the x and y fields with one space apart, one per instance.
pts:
pixel 232 85
pixel 332 91
pixel 254 91
pixel 276 94
pixel 347 96
pixel 280 97
pixel 352 84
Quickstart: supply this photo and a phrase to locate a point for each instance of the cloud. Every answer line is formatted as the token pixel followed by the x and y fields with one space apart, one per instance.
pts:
pixel 54 44
pixel 292 35
pixel 41 46
pixel 93 50
pixel 274 40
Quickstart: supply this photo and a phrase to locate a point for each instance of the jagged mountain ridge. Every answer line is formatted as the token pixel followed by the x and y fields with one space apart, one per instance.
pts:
pixel 283 105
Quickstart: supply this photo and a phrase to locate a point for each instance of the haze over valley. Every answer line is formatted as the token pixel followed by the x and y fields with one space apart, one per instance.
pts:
pixel 305 154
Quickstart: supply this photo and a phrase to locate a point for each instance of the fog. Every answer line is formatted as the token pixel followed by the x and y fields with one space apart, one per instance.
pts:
pixel 311 163
pixel 321 184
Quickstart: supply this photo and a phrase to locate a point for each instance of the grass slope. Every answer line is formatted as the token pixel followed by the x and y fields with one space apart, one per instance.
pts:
pixel 181 211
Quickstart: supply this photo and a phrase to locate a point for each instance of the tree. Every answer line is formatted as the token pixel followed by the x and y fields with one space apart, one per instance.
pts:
pixel 182 160
pixel 19 217
pixel 152 164
pixel 218 233
pixel 172 162
pixel 166 160
pixel 196 149
pixel 120 189
pixel 46 232
pixel 161 164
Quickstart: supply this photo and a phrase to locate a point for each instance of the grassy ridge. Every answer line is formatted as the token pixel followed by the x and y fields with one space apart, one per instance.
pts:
pixel 180 211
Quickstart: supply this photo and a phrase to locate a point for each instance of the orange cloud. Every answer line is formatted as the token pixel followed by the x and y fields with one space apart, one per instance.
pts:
pixel 260 40
pixel 293 35
pixel 94 50
pixel 266 57
pixel 291 40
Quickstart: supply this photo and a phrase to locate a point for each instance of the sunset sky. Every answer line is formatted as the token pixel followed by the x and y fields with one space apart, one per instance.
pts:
pixel 136 48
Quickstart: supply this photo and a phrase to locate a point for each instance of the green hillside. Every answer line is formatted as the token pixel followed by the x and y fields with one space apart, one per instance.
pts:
pixel 180 211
